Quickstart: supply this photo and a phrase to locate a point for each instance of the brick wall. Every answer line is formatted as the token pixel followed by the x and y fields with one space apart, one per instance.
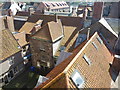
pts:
pixel 95 75
pixel 41 51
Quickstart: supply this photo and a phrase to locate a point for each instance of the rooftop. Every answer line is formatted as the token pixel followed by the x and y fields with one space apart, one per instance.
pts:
pixel 8 44
pixel 99 67
pixel 21 38
pixel 55 5
pixel 27 27
pixel 52 31
pixel 114 23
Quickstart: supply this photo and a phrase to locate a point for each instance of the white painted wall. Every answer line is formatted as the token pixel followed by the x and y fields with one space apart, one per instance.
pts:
pixel 4 67
pixel 56 47
pixel 14 7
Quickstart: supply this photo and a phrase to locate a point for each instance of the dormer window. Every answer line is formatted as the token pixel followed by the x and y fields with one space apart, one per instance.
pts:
pixel 57 4
pixel 53 5
pixel 47 5
pixel 18 47
pixel 60 4
pixel 77 79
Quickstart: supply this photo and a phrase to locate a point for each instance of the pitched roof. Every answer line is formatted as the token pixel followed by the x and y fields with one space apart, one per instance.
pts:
pixel 27 27
pixel 107 25
pixel 100 66
pixel 70 35
pixel 66 20
pixel 55 5
pixel 21 38
pixel 8 44
pixel 52 31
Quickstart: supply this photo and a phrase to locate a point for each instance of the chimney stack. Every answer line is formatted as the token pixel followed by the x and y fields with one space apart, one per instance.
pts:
pixel 97 11
pixel 56 18
pixel 88 34
pixel 116 63
pixel 117 45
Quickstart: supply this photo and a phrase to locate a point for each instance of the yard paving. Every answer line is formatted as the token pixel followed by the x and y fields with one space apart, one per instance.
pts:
pixel 27 79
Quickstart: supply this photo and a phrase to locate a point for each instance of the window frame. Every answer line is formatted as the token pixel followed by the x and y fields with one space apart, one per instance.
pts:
pixel 100 40
pixel 73 75
pixel 85 57
pixel 94 44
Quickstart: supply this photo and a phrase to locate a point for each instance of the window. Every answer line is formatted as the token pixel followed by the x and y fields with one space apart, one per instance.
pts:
pixel 47 5
pixel 19 47
pixel 94 45
pixel 87 59
pixel 60 4
pixel 10 74
pixel 1 80
pixel 63 4
pixel 11 60
pixel 48 64
pixel 77 79
pixel 62 48
pixel 57 4
pixel 15 69
pixel 38 64
pixel 100 40
pixel 53 5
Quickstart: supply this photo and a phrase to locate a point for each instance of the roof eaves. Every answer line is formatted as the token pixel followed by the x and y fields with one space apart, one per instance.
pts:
pixel 74 59
pixel 41 39
pixel 57 38
pixel 109 27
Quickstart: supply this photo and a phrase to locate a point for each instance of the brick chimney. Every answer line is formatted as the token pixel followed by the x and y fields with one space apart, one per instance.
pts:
pixel 116 63
pixel 56 18
pixel 97 11
pixel 117 45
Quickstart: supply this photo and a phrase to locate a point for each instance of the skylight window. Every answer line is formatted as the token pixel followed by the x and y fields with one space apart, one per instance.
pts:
pixel 100 40
pixel 63 4
pixel 53 5
pixel 77 79
pixel 47 5
pixel 95 45
pixel 87 59
pixel 60 4
pixel 57 4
